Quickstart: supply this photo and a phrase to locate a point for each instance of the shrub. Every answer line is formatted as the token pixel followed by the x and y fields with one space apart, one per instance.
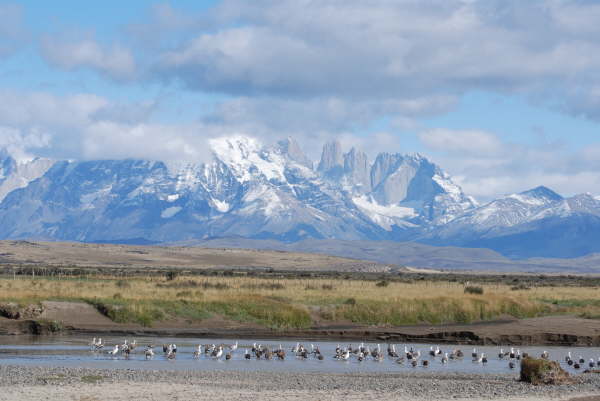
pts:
pixel 327 287
pixel 541 371
pixel 382 283
pixel 473 290
pixel 520 287
pixel 123 284
pixel 350 301
pixel 171 275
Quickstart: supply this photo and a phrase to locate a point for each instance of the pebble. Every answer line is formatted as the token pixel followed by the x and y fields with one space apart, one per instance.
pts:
pixel 414 385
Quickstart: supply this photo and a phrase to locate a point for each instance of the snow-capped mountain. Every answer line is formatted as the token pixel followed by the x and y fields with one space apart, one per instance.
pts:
pixel 275 191
pixel 19 173
pixel 538 222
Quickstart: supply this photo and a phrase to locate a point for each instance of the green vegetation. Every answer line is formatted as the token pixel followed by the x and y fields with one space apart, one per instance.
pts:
pixel 92 379
pixel 297 302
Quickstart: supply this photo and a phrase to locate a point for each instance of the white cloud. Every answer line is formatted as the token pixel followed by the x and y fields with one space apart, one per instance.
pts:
pixel 12 32
pixel 487 166
pixel 116 61
pixel 462 142
pixel 18 143
pixel 393 50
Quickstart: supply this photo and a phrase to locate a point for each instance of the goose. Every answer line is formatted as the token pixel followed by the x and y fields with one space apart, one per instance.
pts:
pixel 234 346
pixel 228 356
pixel 576 366
pixel 400 360
pixel 431 351
pixel 280 354
pixel 581 360
pixel 501 354
pixel 360 357
pixel 247 354
pixel 445 358
pixel 171 354
pixel 149 353
pixel 320 357
pixel 165 348
pixel 198 352
pixel 592 364
pixel 414 363
pixel 511 365
pixel 545 355
pixel 483 358
pixel 174 348
pixel 570 362
pixel 346 355
pixel 518 356
pixel 438 351
pixel 425 362
pixel 294 349
pixel 459 354
pixel 512 353
pixel 392 352
pixel 474 353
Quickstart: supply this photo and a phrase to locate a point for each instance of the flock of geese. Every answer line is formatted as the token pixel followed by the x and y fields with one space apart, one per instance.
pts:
pixel 361 353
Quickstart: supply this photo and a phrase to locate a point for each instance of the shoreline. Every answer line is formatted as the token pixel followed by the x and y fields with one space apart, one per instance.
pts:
pixel 545 331
pixel 30 383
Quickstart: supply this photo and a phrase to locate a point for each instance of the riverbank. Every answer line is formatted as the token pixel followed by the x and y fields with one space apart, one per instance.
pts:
pixel 34 383
pixel 550 331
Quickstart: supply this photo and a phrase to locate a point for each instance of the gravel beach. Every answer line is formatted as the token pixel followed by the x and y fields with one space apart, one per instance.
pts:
pixel 54 383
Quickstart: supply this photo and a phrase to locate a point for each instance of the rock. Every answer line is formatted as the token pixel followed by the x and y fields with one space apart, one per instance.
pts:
pixel 541 371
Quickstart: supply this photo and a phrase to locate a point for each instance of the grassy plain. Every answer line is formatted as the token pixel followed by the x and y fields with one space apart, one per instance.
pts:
pixel 284 303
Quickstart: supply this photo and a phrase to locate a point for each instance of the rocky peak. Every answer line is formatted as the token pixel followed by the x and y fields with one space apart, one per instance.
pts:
pixel 331 158
pixel 292 150
pixel 542 193
pixel 356 169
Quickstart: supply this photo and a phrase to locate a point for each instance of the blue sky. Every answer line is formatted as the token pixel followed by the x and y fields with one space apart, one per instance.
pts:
pixel 503 94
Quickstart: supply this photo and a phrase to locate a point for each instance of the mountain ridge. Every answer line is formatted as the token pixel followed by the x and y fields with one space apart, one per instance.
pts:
pixel 275 192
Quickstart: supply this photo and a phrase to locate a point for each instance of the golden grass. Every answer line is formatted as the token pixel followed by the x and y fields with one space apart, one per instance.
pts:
pixel 298 303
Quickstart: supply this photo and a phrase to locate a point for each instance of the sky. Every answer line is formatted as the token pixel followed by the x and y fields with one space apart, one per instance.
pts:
pixel 503 94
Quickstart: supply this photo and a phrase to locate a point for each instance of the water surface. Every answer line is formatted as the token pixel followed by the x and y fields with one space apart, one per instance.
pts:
pixel 74 351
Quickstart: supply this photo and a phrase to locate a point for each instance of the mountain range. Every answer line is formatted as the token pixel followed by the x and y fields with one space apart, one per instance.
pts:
pixel 275 192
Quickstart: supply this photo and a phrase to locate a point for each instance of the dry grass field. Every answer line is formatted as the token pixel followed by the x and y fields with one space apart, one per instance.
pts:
pixel 284 303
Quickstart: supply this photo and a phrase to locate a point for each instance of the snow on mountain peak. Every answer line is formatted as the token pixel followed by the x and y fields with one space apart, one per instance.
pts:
pixel 539 194
pixel 247 158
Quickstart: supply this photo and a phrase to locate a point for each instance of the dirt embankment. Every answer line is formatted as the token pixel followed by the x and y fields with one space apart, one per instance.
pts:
pixel 83 318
